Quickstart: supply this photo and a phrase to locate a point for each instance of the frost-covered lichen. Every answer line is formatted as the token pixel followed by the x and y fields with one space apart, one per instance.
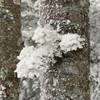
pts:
pixel 50 40
pixel 34 60
pixel 70 42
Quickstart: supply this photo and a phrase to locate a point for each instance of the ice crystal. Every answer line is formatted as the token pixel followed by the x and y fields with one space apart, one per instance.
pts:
pixel 71 42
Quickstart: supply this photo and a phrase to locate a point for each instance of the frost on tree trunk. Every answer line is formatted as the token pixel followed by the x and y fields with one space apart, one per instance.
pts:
pixel 66 75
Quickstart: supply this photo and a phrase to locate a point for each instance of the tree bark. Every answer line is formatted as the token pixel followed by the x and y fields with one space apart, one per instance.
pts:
pixel 72 71
pixel 68 78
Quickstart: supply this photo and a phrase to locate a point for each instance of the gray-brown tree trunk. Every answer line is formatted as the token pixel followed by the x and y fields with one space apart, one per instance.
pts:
pixel 68 79
pixel 72 71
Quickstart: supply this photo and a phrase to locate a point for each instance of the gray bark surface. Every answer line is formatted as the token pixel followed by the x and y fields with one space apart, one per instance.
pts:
pixel 72 71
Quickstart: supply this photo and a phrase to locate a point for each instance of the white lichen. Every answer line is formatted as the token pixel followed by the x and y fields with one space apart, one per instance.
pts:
pixel 70 42
pixel 50 44
pixel 45 34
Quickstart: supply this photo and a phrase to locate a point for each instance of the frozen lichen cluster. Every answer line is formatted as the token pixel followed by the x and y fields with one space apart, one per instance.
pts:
pixel 5 14
pixel 34 60
pixel 70 42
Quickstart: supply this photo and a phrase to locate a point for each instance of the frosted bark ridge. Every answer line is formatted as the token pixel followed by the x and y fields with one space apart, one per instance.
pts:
pixel 35 60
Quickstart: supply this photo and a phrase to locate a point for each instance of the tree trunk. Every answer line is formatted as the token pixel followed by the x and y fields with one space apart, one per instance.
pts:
pixel 9 48
pixel 72 71
pixel 68 78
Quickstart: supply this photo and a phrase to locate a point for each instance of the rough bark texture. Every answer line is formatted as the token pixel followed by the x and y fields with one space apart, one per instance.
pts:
pixel 71 72
pixel 9 47
pixel 68 78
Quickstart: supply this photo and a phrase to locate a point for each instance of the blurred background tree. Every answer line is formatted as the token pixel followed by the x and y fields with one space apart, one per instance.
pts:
pixel 9 47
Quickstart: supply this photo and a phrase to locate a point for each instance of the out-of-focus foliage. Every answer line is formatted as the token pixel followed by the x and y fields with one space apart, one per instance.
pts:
pixel 1 2
pixel 16 2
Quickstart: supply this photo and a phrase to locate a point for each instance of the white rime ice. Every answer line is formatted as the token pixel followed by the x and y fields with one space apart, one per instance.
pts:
pixel 35 60
pixel 71 42
pixel 42 45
